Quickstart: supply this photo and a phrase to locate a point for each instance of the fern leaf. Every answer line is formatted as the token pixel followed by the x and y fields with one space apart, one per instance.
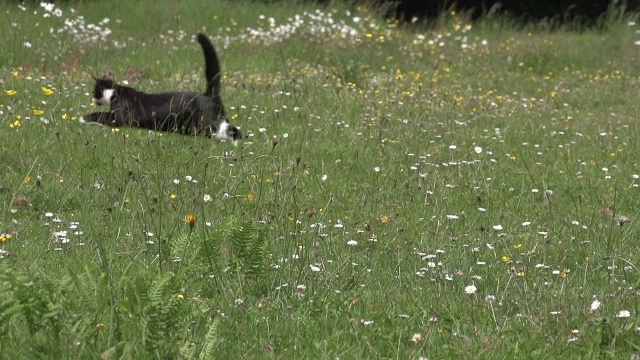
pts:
pixel 8 309
pixel 210 341
pixel 157 289
pixel 248 247
pixel 179 245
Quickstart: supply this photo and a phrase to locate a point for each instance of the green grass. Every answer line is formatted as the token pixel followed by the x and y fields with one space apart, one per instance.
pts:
pixel 384 172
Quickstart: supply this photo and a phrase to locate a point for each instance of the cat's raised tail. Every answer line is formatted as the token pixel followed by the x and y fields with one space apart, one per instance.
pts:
pixel 212 65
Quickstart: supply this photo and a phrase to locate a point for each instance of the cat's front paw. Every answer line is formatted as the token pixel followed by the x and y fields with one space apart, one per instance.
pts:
pixel 104 118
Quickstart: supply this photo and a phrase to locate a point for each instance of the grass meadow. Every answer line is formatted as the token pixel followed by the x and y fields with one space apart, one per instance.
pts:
pixel 447 191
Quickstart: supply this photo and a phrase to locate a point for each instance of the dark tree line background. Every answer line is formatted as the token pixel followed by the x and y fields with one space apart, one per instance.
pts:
pixel 560 11
pixel 584 12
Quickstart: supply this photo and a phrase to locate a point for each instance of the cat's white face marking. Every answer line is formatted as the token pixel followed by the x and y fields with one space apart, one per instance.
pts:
pixel 82 120
pixel 107 94
pixel 223 131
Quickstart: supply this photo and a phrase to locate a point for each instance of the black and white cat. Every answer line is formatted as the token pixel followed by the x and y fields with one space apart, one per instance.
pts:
pixel 184 112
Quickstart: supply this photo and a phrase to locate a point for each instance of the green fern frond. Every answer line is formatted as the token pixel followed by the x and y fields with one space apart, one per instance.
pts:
pixel 161 312
pixel 158 288
pixel 179 245
pixel 236 245
pixel 86 287
pixel 187 350
pixel 210 341
pixel 248 246
pixel 9 308
pixel 256 262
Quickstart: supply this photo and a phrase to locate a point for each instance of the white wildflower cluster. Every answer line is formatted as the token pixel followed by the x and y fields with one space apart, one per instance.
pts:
pixel 455 37
pixel 51 10
pixel 83 32
pixel 317 24
pixel 77 26
pixel 62 235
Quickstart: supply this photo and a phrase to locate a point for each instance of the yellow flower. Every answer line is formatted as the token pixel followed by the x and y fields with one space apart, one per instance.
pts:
pixel 505 259
pixel 250 196
pixel 100 326
pixel 61 181
pixel 517 246
pixel 520 274
pixel 383 219
pixel 190 219
pixel 173 196
pixel 269 181
pixel 10 92
pixel 5 237
pixel 47 91
pixel 37 112
pixel 179 297
pixel 27 179
pixel 65 116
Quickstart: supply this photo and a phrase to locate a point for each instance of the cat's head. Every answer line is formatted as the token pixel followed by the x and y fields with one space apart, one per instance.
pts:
pixel 104 91
pixel 227 131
